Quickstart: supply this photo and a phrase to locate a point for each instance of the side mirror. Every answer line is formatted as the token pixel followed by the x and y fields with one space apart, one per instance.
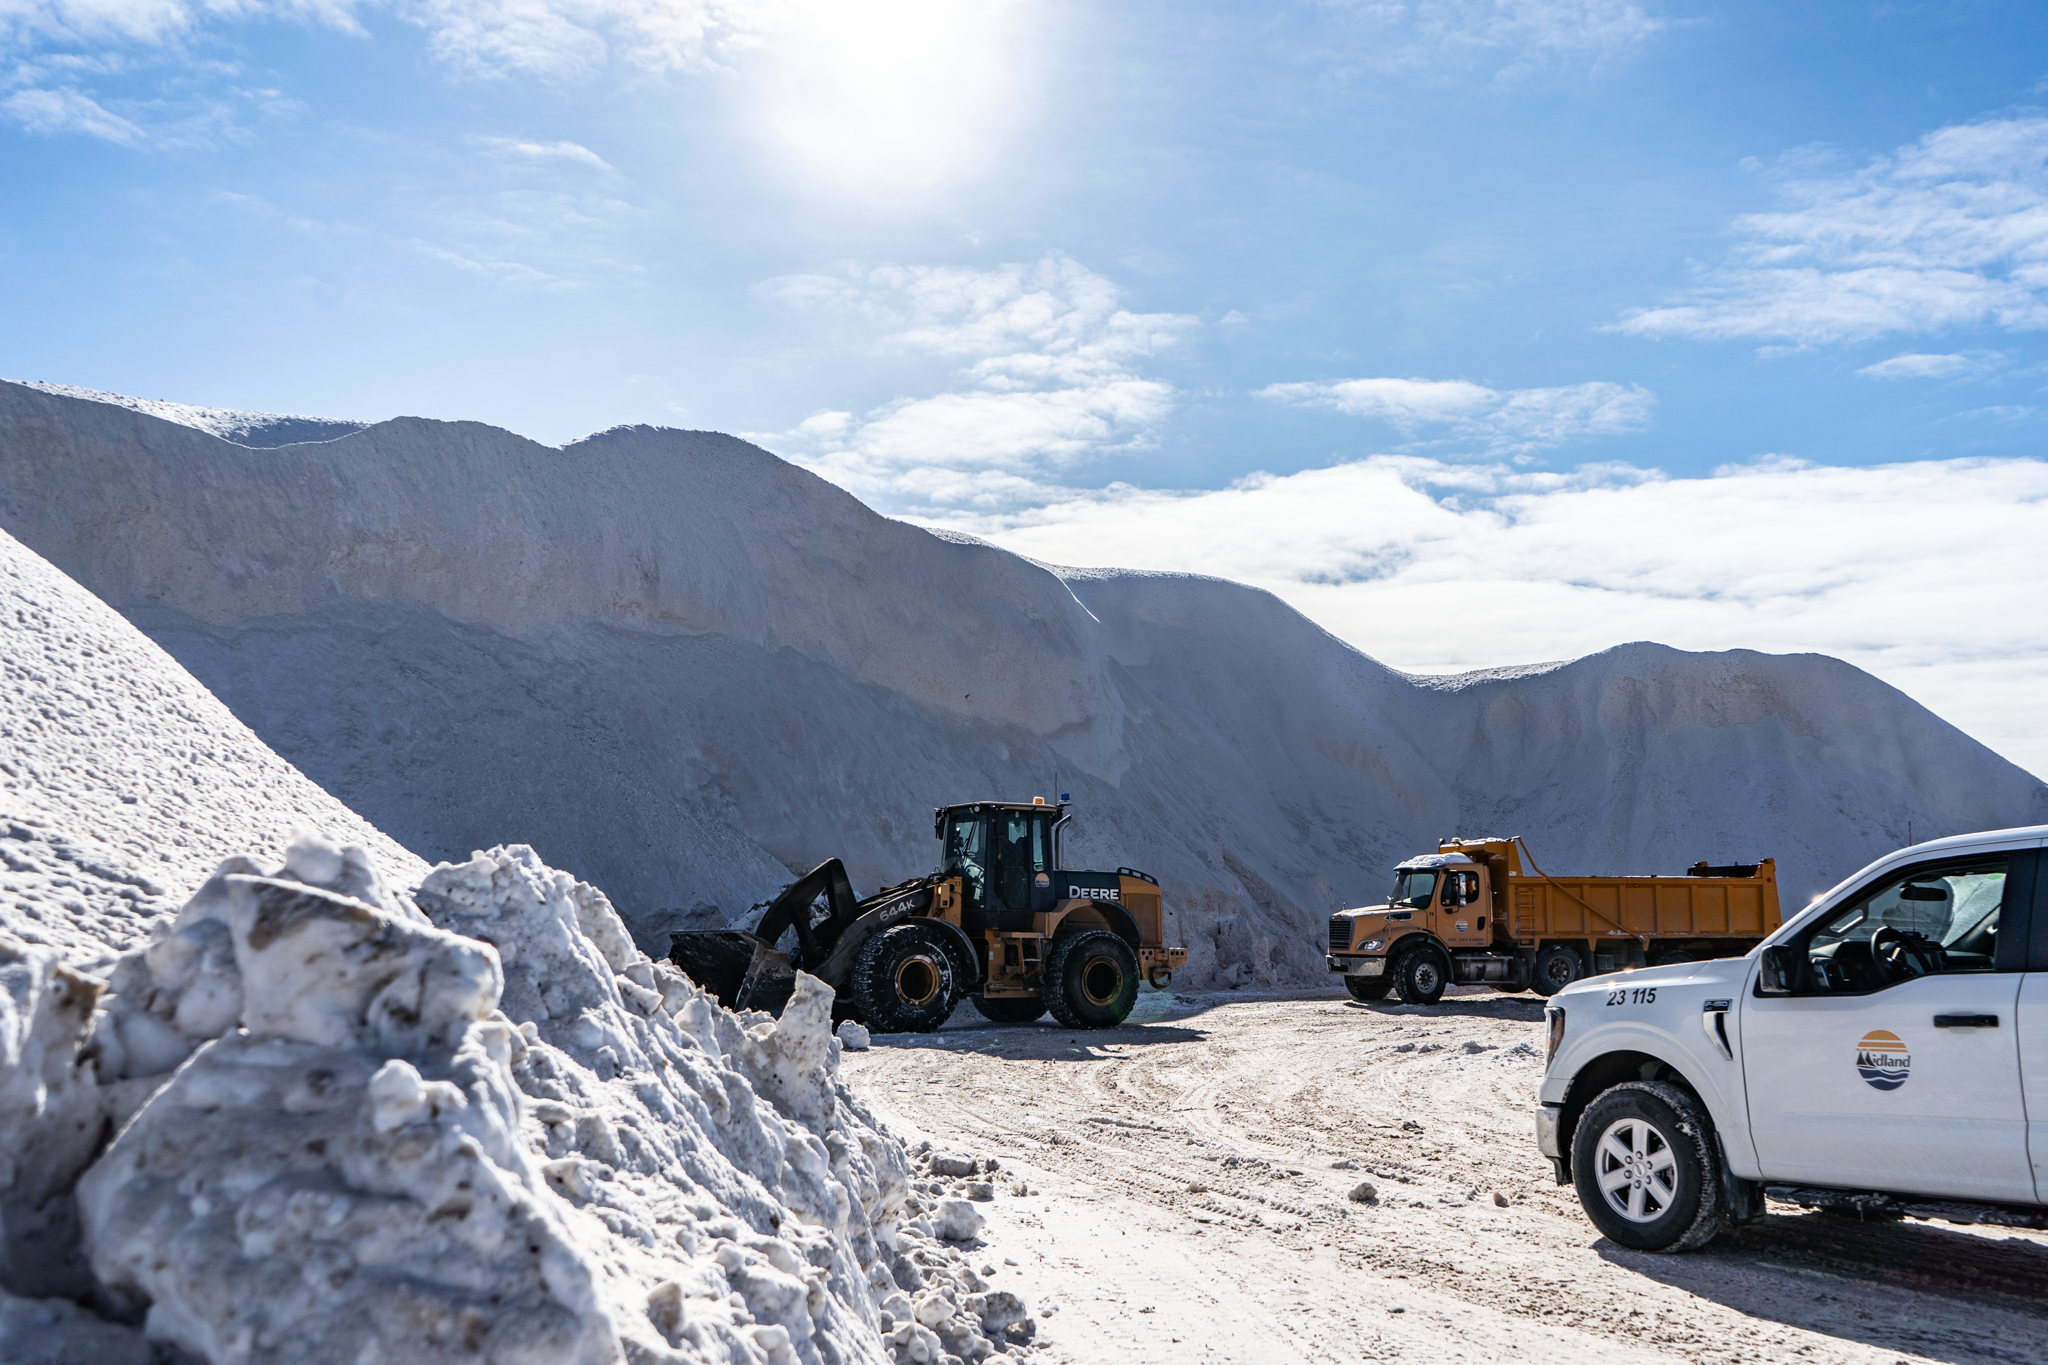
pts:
pixel 1776 971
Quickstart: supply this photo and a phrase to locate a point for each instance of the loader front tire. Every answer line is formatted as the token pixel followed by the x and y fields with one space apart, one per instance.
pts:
pixel 902 981
pixel 1009 1009
pixel 1091 979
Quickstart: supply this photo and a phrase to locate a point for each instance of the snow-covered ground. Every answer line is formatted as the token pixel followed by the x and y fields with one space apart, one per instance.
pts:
pixel 326 1104
pixel 680 668
pixel 1297 1179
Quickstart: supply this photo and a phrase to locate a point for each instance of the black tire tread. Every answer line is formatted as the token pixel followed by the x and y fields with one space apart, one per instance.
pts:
pixel 1008 1009
pixel 873 983
pixel 1710 1219
pixel 1366 989
pixel 1064 1009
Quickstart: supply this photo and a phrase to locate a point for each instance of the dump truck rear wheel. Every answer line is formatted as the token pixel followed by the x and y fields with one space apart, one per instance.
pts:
pixel 1008 1009
pixel 1556 967
pixel 1365 989
pixel 903 981
pixel 1422 975
pixel 1091 980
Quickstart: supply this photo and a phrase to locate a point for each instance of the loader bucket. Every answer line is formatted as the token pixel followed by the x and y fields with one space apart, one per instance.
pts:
pixel 743 970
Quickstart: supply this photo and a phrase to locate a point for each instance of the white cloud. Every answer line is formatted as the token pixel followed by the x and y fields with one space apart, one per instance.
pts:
pixel 68 111
pixel 1924 573
pixel 1510 421
pixel 1045 374
pixel 1914 365
pixel 1513 38
pixel 542 151
pixel 1949 231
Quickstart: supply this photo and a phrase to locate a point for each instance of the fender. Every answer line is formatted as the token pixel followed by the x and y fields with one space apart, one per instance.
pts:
pixel 1076 913
pixel 1413 939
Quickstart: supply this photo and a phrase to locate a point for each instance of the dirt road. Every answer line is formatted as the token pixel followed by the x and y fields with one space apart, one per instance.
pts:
pixel 1190 1183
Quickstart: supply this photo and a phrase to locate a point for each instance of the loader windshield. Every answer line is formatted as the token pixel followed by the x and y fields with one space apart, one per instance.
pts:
pixel 1412 889
pixel 963 855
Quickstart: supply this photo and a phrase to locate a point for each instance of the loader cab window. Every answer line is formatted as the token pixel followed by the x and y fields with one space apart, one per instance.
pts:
pixel 1413 889
pixel 962 853
pixel 1023 854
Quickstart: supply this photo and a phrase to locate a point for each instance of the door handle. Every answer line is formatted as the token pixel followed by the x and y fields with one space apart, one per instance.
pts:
pixel 1966 1021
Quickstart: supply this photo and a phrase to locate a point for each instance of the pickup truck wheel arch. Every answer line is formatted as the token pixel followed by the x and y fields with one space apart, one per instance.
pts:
pixel 1603 1073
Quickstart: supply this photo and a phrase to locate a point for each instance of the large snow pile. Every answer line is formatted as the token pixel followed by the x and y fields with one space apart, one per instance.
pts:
pixel 307 1115
pixel 680 668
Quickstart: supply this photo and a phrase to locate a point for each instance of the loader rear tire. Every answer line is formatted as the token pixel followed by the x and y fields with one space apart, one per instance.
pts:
pixel 902 981
pixel 1091 980
pixel 1365 989
pixel 1008 1009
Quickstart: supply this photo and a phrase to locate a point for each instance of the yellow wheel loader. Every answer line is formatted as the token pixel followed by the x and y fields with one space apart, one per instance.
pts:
pixel 1000 922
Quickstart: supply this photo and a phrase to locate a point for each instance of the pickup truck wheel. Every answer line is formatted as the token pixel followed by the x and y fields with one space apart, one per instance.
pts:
pixel 1422 975
pixel 1091 979
pixel 1647 1172
pixel 1556 967
pixel 903 980
pixel 1365 989
pixel 1009 1009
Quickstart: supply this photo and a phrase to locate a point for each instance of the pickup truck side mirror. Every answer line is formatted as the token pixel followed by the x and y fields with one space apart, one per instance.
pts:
pixel 1776 972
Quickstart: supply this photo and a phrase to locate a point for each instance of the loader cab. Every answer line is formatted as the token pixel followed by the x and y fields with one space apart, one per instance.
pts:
pixel 1005 855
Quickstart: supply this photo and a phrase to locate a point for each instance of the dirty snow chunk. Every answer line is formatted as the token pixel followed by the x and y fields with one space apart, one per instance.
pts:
pixel 1473 1045
pixel 956 1220
pixel 944 1164
pixel 1344 1164
pixel 59 1332
pixel 353 1147
pixel 49 1119
pixel 1364 1192
pixel 853 1037
pixel 981 1191
pixel 1500 1201
pixel 1520 1050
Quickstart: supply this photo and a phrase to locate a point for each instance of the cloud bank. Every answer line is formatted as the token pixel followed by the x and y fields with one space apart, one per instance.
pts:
pixel 1949 231
pixel 1923 573
pixel 1042 374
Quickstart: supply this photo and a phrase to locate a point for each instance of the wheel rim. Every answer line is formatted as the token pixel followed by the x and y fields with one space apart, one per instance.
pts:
pixel 917 980
pixel 1425 976
pixel 1559 971
pixel 1102 980
pixel 1636 1170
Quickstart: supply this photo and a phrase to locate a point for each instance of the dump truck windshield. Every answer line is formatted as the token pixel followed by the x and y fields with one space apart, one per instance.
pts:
pixel 963 855
pixel 1412 890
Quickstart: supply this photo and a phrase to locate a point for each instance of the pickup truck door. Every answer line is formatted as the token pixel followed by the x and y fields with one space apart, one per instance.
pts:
pixel 1910 1086
pixel 2033 1024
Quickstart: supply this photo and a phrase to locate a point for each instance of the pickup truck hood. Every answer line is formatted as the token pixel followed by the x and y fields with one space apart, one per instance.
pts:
pixel 1730 971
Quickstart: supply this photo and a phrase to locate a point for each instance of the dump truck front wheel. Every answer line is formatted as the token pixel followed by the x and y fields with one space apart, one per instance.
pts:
pixel 1422 975
pixel 1368 988
pixel 1091 980
pixel 1556 967
pixel 1009 1009
pixel 903 981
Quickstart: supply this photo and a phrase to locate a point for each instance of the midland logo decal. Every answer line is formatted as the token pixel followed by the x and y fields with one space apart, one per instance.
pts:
pixel 1883 1060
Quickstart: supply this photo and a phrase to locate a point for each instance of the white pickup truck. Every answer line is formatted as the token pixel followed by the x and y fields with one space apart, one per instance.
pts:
pixel 1885 1051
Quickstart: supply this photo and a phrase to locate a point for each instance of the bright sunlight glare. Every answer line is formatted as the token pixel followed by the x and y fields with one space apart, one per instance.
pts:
pixel 891 95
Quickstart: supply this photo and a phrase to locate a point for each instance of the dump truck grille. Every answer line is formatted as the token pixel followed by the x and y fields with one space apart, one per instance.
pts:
pixel 1340 933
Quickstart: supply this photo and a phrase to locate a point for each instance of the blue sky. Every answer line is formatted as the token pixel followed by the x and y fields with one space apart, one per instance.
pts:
pixel 1721 324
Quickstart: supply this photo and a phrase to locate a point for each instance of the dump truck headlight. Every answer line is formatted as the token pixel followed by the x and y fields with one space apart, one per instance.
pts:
pixel 1372 945
pixel 1554 1018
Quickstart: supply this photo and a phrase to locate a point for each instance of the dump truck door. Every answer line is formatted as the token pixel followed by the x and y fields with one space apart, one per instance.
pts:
pixel 1022 885
pixel 1464 911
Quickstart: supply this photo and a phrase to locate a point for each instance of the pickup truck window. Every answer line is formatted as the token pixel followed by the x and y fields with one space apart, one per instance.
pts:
pixel 1412 890
pixel 1931 920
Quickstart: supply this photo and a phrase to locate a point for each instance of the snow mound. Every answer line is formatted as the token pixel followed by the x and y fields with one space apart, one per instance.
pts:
pixel 123 781
pixel 257 430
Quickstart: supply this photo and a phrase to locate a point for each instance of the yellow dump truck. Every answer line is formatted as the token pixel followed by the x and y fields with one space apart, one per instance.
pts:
pixel 1469 913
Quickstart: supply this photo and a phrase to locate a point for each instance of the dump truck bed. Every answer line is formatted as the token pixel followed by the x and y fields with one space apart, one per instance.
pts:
pixel 1543 908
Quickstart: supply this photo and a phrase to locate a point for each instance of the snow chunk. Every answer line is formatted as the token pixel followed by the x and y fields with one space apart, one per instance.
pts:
pixel 49 1118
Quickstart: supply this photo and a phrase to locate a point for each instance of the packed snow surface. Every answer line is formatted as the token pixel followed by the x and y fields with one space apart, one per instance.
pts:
pixel 681 668
pixel 327 1104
